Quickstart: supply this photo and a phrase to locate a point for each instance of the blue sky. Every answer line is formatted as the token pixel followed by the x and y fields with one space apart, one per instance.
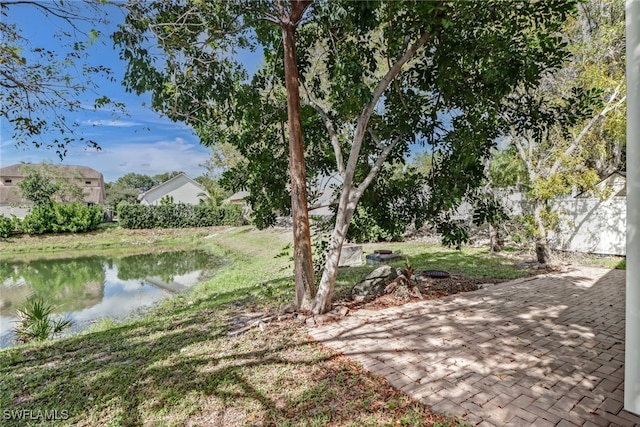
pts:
pixel 142 142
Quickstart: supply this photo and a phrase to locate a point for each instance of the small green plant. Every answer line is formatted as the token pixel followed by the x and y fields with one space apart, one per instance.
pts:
pixel 8 226
pixel 320 248
pixel 36 321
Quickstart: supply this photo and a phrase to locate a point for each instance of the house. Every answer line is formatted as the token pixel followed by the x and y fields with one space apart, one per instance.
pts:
pixel 321 194
pixel 237 198
pixel 179 189
pixel 90 181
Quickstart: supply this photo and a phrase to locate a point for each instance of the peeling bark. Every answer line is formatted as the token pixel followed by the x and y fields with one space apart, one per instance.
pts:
pixel 303 263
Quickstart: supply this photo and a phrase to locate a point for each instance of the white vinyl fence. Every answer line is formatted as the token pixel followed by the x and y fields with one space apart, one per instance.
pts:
pixel 592 225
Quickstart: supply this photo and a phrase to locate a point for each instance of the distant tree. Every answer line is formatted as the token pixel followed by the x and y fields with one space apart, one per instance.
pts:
pixel 423 162
pixel 46 183
pixel 41 86
pixel 166 176
pixel 38 188
pixel 138 181
pixel 507 169
pixel 116 192
pixel 568 131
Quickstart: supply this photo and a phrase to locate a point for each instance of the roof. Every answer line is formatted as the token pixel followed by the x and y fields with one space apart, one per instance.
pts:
pixel 83 171
pixel 237 197
pixel 11 195
pixel 181 175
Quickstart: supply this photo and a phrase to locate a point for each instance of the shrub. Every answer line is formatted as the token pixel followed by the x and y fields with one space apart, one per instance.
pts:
pixel 232 215
pixel 134 216
pixel 178 216
pixel 37 322
pixel 60 218
pixel 8 226
pixel 39 220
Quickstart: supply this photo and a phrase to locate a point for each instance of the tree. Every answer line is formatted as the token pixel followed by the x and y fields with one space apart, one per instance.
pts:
pixel 197 39
pixel 116 193
pixel 38 188
pixel 40 86
pixel 376 77
pixel 567 131
pixel 393 201
pixel 138 181
pixel 47 183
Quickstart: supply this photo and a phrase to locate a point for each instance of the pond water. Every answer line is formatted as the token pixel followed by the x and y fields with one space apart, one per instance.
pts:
pixel 88 288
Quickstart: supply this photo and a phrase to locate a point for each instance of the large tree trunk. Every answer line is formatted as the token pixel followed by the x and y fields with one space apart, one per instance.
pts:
pixel 303 264
pixel 324 297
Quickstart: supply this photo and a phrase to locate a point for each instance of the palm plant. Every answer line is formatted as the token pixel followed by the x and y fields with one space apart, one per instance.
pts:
pixel 36 321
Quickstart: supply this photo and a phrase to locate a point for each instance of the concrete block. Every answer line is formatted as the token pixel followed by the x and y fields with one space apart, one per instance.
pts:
pixel 373 259
pixel 351 256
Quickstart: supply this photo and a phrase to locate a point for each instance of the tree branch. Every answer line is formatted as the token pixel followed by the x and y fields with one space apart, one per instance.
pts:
pixel 377 165
pixel 523 155
pixel 333 135
pixel 365 115
pixel 576 142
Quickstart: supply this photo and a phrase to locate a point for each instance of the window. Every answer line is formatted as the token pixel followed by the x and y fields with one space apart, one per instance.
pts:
pixel 7 181
pixel 88 182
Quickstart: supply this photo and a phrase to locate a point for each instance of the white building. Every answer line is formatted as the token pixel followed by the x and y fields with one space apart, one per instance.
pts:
pixel 179 189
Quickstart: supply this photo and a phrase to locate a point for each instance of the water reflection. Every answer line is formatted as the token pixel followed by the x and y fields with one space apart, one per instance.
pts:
pixel 93 287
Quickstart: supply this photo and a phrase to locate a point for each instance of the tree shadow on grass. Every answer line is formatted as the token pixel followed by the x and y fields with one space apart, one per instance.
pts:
pixel 179 366
pixel 131 373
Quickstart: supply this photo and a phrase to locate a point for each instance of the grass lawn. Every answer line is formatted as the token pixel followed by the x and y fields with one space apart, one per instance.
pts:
pixel 179 366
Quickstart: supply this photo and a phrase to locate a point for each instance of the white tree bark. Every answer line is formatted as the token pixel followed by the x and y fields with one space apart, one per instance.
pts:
pixel 351 194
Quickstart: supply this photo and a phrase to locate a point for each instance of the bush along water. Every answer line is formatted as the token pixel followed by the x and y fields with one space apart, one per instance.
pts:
pixel 54 218
pixel 168 215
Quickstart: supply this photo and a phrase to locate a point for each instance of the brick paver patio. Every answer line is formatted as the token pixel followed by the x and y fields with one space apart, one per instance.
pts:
pixel 543 351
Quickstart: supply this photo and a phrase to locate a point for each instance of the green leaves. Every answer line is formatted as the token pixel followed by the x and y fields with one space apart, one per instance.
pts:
pixel 448 94
pixel 38 188
pixel 179 215
pixel 61 218
pixel 37 322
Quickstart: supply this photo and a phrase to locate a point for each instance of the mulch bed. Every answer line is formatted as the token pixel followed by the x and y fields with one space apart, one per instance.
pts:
pixel 430 288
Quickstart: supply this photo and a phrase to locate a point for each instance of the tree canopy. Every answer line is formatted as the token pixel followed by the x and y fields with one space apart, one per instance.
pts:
pixel 568 131
pixel 375 78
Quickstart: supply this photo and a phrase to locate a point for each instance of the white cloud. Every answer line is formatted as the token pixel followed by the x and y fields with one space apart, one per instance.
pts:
pixel 112 123
pixel 149 158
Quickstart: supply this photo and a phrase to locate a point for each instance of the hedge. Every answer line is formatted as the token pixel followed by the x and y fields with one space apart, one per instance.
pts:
pixel 54 218
pixel 178 215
